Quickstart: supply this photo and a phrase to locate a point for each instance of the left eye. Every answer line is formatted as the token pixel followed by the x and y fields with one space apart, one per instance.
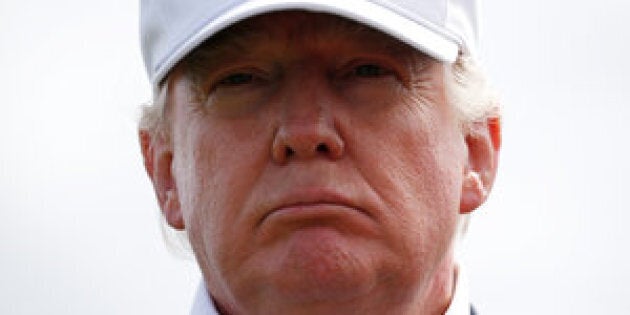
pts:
pixel 369 71
pixel 237 79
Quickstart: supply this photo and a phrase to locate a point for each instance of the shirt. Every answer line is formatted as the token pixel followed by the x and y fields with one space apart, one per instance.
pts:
pixel 460 304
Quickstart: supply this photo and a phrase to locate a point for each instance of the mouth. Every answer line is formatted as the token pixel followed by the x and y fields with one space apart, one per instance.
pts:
pixel 317 204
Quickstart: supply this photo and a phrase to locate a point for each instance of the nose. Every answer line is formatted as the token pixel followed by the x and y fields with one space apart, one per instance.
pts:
pixel 301 140
pixel 307 128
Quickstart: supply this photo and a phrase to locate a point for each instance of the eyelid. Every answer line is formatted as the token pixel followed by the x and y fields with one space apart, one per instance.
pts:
pixel 389 67
pixel 257 73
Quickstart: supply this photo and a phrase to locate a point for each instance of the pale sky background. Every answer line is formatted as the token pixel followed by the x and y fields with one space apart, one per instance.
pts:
pixel 79 225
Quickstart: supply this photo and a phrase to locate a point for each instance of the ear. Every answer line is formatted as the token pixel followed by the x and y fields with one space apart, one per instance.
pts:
pixel 484 142
pixel 158 160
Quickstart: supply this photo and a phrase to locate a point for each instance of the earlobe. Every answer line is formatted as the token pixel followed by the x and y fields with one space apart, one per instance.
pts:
pixel 474 193
pixel 483 142
pixel 158 160
pixel 172 210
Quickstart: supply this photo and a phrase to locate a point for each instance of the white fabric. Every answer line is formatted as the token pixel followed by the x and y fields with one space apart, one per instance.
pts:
pixel 169 29
pixel 460 303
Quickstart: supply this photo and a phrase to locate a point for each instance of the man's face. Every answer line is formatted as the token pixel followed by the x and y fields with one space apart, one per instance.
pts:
pixel 314 160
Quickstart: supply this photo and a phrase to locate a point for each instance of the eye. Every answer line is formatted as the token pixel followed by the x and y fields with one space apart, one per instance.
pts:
pixel 370 71
pixel 236 79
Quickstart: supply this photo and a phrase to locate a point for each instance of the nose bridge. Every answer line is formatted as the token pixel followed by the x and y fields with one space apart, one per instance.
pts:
pixel 307 125
pixel 304 94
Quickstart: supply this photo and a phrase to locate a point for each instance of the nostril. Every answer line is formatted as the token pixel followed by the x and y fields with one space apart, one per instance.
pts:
pixel 289 152
pixel 322 148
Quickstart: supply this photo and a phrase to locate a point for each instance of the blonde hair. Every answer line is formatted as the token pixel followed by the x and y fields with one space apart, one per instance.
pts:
pixel 470 93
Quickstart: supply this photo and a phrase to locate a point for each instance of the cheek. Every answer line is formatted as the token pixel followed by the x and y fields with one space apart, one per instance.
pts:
pixel 217 166
pixel 421 192
pixel 193 163
pixel 418 153
pixel 420 185
pixel 417 147
pixel 217 158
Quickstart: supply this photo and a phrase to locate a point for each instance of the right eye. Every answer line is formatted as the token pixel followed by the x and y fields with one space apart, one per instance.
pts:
pixel 370 71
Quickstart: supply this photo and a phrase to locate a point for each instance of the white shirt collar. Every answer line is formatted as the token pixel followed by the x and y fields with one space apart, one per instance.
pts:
pixel 460 304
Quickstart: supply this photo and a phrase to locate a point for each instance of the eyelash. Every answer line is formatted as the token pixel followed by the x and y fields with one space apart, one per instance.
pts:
pixel 361 70
pixel 235 79
pixel 369 70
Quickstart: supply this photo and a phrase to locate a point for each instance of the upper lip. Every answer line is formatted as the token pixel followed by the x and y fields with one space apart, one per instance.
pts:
pixel 311 196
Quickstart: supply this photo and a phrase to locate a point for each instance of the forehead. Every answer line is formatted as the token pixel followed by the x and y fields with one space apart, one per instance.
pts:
pixel 299 29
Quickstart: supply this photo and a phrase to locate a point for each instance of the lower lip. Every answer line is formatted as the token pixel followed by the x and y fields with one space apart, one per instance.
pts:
pixel 312 211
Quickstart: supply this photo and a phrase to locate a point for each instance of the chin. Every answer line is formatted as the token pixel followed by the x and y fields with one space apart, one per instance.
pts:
pixel 320 264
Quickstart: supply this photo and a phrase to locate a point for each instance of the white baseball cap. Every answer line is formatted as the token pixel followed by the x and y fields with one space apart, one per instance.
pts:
pixel 170 29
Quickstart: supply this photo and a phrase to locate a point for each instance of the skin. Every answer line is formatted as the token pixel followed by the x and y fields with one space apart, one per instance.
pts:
pixel 318 169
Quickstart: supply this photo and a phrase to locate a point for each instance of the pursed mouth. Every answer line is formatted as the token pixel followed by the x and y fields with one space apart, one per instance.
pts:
pixel 311 209
pixel 312 204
